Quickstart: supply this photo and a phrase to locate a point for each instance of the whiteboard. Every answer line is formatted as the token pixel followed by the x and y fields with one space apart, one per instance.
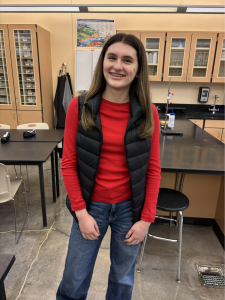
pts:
pixel 85 63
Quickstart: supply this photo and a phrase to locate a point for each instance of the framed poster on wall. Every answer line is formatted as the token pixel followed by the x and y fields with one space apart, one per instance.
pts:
pixel 94 32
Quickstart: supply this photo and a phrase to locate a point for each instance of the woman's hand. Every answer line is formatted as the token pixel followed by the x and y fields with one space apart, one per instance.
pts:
pixel 88 226
pixel 137 233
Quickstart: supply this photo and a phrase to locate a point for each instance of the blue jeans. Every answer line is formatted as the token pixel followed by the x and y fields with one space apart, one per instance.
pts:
pixel 82 253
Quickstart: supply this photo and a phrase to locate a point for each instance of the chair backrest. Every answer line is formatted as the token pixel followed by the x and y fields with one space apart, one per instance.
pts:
pixel 4 126
pixel 33 126
pixel 5 184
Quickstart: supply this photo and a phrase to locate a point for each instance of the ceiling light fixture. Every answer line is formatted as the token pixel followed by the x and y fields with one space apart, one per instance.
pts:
pixel 39 9
pixel 143 9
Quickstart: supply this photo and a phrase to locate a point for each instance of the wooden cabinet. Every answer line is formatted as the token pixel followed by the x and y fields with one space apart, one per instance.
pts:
pixel 154 46
pixel 177 55
pixel 9 117
pixel 27 77
pixel 216 132
pixel 201 57
pixel 197 122
pixel 223 136
pixel 216 128
pixel 219 66
pixel 189 56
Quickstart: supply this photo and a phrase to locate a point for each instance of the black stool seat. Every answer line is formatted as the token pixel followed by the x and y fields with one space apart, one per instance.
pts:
pixel 171 200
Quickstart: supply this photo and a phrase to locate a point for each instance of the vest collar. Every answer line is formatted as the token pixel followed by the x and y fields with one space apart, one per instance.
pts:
pixel 93 105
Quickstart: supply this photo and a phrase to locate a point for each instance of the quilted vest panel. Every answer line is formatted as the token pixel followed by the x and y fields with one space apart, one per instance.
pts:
pixel 89 144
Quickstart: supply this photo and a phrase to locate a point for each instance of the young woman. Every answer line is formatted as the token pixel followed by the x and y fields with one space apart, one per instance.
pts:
pixel 111 169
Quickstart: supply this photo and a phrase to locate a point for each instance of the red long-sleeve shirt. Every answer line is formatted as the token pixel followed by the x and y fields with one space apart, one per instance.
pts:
pixel 112 183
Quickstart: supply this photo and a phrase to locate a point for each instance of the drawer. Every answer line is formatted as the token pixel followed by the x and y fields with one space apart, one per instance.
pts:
pixel 215 123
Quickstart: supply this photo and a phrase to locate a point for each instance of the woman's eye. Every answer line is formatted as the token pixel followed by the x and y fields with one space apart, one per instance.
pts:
pixel 128 61
pixel 112 57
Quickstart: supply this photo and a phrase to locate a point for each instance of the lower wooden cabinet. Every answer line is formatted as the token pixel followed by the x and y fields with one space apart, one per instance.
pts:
pixel 223 136
pixel 8 117
pixel 25 116
pixel 216 132
pixel 216 128
pixel 197 122
pixel 14 118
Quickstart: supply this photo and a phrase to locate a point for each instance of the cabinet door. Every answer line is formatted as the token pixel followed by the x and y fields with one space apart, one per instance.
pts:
pixel 201 57
pixel 219 66
pixel 7 97
pixel 25 117
pixel 215 123
pixel 136 33
pixel 8 117
pixel 177 55
pixel 154 47
pixel 223 136
pixel 197 122
pixel 23 46
pixel 216 132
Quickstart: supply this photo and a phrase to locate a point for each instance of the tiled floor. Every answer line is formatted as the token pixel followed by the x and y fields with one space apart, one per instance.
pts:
pixel 37 271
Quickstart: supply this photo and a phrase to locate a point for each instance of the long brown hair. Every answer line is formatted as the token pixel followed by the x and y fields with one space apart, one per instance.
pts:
pixel 140 84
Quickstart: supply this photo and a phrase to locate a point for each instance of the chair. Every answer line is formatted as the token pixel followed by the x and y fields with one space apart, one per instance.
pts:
pixel 170 201
pixel 8 190
pixel 33 126
pixel 4 126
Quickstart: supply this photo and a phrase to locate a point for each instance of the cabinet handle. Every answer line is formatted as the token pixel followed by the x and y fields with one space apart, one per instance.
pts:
pixel 189 75
pixel 13 104
pixel 184 76
pixel 19 116
pixel 13 115
pixel 219 135
pixel 17 104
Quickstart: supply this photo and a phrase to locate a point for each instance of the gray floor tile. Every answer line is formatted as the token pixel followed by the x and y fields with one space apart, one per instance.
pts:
pixel 156 281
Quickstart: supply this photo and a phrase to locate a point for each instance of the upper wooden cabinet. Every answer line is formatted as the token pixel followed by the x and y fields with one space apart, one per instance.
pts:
pixel 25 74
pixel 7 97
pixel 219 66
pixel 177 55
pixel 25 66
pixel 154 46
pixel 201 57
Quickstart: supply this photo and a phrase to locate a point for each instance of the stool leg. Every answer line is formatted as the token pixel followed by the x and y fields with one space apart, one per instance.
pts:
pixel 180 216
pixel 142 253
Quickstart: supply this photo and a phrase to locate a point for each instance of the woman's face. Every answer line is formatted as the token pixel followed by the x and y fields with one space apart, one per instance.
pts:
pixel 120 65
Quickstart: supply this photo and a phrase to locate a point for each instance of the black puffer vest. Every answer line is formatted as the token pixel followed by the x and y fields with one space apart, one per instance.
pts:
pixel 89 144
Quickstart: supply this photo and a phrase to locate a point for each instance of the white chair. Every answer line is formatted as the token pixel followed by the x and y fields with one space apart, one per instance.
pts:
pixel 33 126
pixel 8 190
pixel 4 126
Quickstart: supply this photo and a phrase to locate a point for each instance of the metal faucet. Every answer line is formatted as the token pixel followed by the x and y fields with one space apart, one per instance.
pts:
pixel 214 106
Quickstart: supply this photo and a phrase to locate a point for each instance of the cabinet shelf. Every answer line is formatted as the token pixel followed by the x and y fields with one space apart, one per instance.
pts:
pixel 178 67
pixel 152 50
pixel 199 67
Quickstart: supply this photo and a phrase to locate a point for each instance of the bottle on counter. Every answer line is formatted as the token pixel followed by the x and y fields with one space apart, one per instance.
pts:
pixel 171 120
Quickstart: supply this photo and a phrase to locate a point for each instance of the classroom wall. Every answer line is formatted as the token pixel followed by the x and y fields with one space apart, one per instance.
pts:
pixel 62 28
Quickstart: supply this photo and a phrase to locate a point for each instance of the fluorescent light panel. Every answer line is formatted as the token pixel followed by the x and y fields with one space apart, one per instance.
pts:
pixel 39 9
pixel 131 9
pixel 205 10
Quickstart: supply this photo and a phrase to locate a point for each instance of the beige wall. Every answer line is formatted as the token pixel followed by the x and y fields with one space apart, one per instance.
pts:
pixel 62 28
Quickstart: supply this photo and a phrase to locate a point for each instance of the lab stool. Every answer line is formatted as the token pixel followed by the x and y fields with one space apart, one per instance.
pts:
pixel 170 201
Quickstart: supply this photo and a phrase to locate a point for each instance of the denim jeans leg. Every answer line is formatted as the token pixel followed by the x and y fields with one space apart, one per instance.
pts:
pixel 123 257
pixel 81 257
